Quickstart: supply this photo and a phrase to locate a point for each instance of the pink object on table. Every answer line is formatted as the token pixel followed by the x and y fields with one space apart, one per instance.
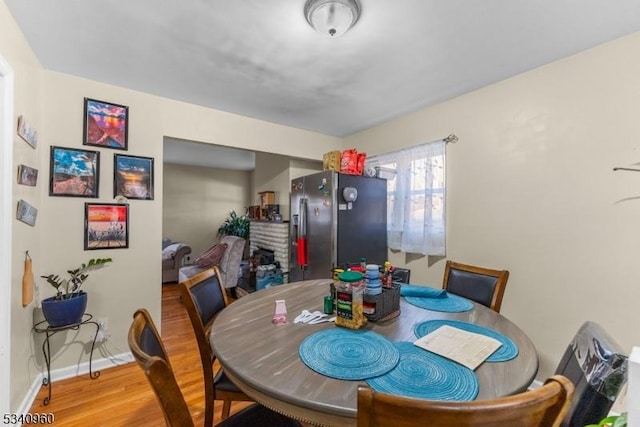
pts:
pixel 280 313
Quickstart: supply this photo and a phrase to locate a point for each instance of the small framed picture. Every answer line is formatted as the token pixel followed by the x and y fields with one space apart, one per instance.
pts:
pixel 27 133
pixel 27 175
pixel 26 213
pixel 105 124
pixel 74 172
pixel 106 226
pixel 133 177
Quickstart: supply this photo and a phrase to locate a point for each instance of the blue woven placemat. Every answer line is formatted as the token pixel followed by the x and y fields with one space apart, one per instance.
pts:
pixel 348 354
pixel 449 303
pixel 407 290
pixel 425 375
pixel 507 351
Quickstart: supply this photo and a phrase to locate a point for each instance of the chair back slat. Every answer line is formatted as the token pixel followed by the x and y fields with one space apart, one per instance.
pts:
pixel 545 406
pixel 208 298
pixel 477 287
pixel 482 285
pixel 150 344
pixel 150 354
pixel 203 296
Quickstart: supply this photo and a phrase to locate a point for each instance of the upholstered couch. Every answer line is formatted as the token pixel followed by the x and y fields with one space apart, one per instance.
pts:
pixel 229 264
pixel 172 259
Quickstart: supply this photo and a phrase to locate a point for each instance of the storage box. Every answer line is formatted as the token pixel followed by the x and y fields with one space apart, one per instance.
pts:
pixel 267 198
pixel 269 281
pixel 331 161
pixel 383 306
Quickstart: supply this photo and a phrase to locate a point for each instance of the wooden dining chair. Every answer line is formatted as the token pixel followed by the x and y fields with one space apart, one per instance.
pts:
pixel 204 296
pixel 482 285
pixel 149 351
pixel 597 366
pixel 543 407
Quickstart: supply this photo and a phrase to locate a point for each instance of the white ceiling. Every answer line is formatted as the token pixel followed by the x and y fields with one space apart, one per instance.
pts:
pixel 261 59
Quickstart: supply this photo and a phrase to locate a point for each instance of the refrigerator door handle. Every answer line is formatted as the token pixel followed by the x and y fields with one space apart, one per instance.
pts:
pixel 302 233
pixel 294 222
pixel 302 219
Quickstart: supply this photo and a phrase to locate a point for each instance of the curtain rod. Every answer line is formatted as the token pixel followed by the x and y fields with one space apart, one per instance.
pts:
pixel 626 169
pixel 452 138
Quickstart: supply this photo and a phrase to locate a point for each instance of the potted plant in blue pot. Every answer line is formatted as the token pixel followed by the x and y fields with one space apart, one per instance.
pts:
pixel 68 305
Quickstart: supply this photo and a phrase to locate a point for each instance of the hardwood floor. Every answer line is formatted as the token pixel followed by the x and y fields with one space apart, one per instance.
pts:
pixel 121 396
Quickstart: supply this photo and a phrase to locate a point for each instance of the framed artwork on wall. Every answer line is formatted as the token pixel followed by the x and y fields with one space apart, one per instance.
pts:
pixel 26 132
pixel 105 124
pixel 74 172
pixel 133 177
pixel 26 213
pixel 27 176
pixel 106 226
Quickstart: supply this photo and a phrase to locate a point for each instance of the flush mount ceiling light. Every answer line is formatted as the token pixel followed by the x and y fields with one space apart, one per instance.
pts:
pixel 332 17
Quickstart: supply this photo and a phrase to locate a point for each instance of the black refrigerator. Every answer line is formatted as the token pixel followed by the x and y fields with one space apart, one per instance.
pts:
pixel 336 220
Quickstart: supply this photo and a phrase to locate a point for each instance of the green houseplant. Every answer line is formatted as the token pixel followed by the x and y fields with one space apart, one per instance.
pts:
pixel 612 421
pixel 67 306
pixel 235 225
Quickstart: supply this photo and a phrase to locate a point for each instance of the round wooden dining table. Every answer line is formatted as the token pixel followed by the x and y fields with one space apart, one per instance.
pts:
pixel 262 358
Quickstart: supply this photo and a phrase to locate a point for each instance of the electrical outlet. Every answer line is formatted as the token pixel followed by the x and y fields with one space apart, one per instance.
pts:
pixel 103 330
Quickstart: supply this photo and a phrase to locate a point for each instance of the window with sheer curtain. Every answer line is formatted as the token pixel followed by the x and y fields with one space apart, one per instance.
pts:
pixel 415 197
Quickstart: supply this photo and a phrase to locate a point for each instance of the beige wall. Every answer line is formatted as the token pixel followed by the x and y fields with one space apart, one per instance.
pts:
pixel 530 188
pixel 272 174
pixel 53 104
pixel 298 168
pixel 135 272
pixel 27 102
pixel 133 280
pixel 197 200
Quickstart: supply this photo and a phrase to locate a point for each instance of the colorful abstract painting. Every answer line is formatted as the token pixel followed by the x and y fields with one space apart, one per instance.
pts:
pixel 133 177
pixel 105 124
pixel 74 172
pixel 106 226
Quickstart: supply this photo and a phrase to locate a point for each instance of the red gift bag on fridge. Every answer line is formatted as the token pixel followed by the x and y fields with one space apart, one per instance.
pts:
pixel 352 162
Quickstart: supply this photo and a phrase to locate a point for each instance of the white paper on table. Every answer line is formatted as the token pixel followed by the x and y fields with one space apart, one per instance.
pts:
pixel 467 348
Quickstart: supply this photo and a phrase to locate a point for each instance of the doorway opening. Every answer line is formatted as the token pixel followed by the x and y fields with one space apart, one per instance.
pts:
pixel 6 162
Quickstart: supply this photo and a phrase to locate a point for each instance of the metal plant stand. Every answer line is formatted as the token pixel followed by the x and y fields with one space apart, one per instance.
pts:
pixel 44 328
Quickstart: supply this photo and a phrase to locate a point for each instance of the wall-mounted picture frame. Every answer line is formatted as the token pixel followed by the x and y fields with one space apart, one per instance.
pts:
pixel 74 172
pixel 26 213
pixel 26 132
pixel 132 177
pixel 27 176
pixel 105 124
pixel 106 226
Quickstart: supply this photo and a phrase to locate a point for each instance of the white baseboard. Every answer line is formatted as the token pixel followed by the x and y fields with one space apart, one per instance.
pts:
pixel 70 372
